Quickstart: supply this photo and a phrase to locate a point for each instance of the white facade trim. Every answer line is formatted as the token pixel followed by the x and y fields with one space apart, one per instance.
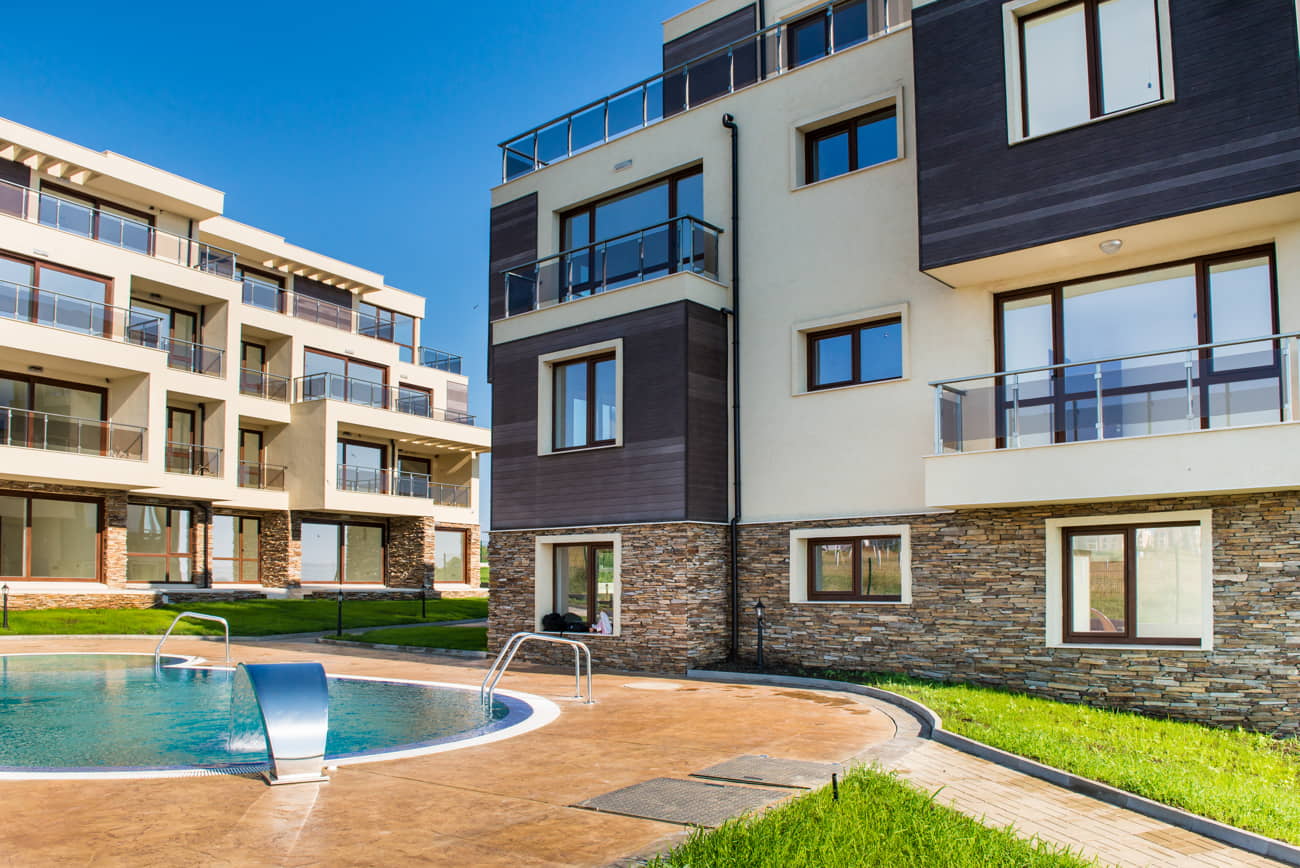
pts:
pixel 544 572
pixel 546 392
pixel 799 561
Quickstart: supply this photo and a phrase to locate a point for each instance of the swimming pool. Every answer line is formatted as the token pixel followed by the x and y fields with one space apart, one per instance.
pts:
pixel 91 715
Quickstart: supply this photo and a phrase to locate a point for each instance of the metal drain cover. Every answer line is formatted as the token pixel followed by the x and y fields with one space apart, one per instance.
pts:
pixel 773 771
pixel 688 803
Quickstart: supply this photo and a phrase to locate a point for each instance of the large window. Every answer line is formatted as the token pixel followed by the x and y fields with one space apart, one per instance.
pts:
pixel 159 544
pixel 863 353
pixel 584 583
pixel 335 552
pixel 48 538
pixel 327 375
pixel 840 26
pixel 86 215
pixel 585 395
pixel 50 414
pixel 449 562
pixel 851 144
pixel 362 466
pixel 1214 299
pixel 235 549
pixel 1086 59
pixel 856 568
pixel 387 325
pixel 1133 583
pixel 50 295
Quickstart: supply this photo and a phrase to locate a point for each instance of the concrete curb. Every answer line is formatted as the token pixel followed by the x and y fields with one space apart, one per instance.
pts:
pixel 274 637
pixel 409 649
pixel 932 728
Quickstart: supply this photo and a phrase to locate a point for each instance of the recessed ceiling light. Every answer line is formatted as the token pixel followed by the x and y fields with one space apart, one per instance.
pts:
pixel 1111 246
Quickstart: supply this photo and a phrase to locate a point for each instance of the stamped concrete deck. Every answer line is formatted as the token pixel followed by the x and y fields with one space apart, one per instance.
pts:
pixel 500 804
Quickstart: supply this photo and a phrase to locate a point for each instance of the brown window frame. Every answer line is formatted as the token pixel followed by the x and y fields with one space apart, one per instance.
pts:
pixel 849 126
pixel 191 555
pixel 856 330
pixel 384 463
pixel 568 244
pixel 343 548
pixel 856 595
pixel 591 559
pixel 38 266
pixel 1129 636
pixel 239 561
pixel 79 197
pixel 384 316
pixel 28 497
pixel 464 535
pixel 1092 53
pixel 590 362
pixel 32 382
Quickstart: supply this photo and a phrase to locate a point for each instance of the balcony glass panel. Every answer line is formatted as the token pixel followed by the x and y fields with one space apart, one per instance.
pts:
pixel 588 128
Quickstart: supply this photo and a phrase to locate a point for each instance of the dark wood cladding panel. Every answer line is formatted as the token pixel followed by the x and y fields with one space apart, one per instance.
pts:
pixel 706 414
pixel 712 77
pixel 664 402
pixel 1232 133
pixel 305 286
pixel 15 173
pixel 512 241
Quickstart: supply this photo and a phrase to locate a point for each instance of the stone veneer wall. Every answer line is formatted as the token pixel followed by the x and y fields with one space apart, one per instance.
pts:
pixel 978 613
pixel 673 603
pixel 273 551
pixel 410 551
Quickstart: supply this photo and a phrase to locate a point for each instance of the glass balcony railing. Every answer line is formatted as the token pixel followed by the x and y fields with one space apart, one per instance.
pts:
pixel 192 459
pixel 1218 385
pixel 414 402
pixel 109 227
pixel 181 355
pixel 379 480
pixel 56 433
pixel 437 359
pixel 684 244
pixel 260 384
pixel 42 307
pixel 772 51
pixel 254 474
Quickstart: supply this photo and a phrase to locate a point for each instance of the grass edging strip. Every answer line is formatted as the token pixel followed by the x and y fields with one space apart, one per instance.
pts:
pixel 932 728
pixel 409 649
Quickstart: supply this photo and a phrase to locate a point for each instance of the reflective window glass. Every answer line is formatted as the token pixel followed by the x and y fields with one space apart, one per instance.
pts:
pixel 1055 56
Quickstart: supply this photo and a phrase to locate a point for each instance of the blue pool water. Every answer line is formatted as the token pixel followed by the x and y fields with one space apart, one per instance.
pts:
pixel 63 712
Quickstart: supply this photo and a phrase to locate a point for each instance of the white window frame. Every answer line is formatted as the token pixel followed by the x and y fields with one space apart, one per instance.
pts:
pixel 799 346
pixel 1013 11
pixel 544 572
pixel 1055 576
pixel 546 394
pixel 799 561
pixel 811 124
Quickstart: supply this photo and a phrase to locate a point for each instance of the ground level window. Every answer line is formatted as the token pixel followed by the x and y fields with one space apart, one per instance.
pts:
pixel 1135 583
pixel 159 544
pixel 334 552
pixel 856 568
pixel 48 538
pixel 449 562
pixel 235 548
pixel 584 583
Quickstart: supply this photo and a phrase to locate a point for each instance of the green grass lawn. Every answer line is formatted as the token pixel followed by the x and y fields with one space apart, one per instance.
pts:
pixel 483 576
pixel 878 821
pixel 1237 777
pixel 458 638
pixel 246 617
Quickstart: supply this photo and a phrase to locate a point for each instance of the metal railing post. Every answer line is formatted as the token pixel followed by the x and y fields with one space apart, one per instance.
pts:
pixel 1288 410
pixel 1192 420
pixel 938 420
pixel 1015 411
pixel 1101 421
pixel 686 89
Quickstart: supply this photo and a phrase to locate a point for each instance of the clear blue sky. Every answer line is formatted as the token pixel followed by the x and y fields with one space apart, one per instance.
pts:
pixel 364 131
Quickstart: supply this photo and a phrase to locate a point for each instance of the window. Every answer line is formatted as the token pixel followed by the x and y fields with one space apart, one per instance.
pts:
pixel 852 144
pixel 386 325
pixel 235 549
pixel 335 552
pixel 840 26
pixel 159 544
pixel 54 296
pixel 856 568
pixel 50 414
pixel 178 334
pixel 48 538
pixel 1086 59
pixel 1133 584
pixel 362 466
pixel 1225 297
pixel 865 353
pixel 584 582
pixel 449 562
pixel 185 452
pixel 327 375
pixel 262 289
pixel 586 408
pixel 94 218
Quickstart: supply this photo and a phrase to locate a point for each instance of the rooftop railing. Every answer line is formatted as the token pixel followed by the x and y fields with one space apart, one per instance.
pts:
pixel 57 433
pixel 772 51
pixel 437 359
pixel 414 402
pixel 259 474
pixel 192 459
pixel 1225 384
pixel 377 480
pixel 260 384
pixel 683 244
pixel 119 230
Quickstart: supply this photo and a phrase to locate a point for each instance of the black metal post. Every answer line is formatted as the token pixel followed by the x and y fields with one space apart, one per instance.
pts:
pixel 835 787
pixel 5 591
pixel 423 588
pixel 761 612
pixel 338 632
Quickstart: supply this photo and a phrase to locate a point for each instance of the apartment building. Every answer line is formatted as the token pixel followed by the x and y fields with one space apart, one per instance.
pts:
pixel 960 334
pixel 193 406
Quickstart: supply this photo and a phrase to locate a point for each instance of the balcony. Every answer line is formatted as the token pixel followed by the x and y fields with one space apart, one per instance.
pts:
pixel 115 229
pixel 69 313
pixel 1196 419
pixel 181 355
pixel 413 402
pixel 53 432
pixel 255 474
pixel 680 245
pixel 773 51
pixel 260 384
pixel 192 460
pixel 373 480
pixel 438 360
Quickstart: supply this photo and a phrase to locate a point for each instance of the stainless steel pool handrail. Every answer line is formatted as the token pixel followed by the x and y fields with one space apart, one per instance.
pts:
pixel 157 651
pixel 509 650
